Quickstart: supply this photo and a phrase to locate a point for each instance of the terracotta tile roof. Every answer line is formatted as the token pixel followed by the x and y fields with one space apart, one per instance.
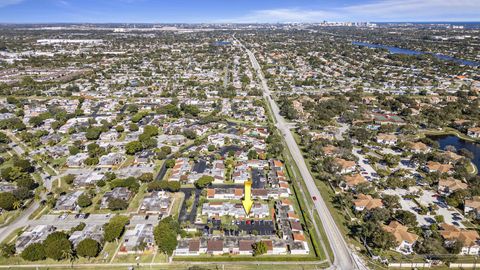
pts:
pixel 452 184
pixel 344 163
pixel 400 232
pixel 353 180
pixel 367 201
pixel 452 156
pixel 329 149
pixel 298 237
pixel 419 146
pixel 277 163
pixel 286 201
pixel 468 237
pixel 284 185
pixel 238 192
pixel 474 130
pixel 436 166
pixel 296 225
pixel 473 203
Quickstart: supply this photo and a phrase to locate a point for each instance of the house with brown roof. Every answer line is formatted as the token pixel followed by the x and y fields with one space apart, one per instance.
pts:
pixel 433 166
pixel 451 157
pixel 187 247
pixel 405 240
pixel 469 238
pixel 330 150
pixel 418 147
pixel 363 202
pixel 351 181
pixel 474 132
pixel 215 247
pixel 346 166
pixel 245 247
pixel 450 184
pixel 275 247
pixel 472 206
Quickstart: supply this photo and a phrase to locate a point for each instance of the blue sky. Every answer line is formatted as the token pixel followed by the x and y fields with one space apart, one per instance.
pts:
pixel 237 11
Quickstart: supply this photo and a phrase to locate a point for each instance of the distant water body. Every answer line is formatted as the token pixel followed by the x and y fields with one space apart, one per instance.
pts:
pixel 396 50
pixel 445 140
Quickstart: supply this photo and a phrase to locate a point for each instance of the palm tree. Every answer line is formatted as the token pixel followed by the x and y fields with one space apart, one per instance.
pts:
pixel 17 204
pixel 70 255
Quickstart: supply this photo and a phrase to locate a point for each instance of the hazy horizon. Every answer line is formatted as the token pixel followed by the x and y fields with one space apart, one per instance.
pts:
pixel 216 11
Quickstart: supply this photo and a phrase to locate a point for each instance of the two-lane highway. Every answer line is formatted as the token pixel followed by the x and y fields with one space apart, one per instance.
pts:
pixel 344 258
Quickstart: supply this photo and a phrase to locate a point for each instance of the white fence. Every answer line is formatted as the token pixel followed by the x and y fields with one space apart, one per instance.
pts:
pixel 464 265
pixel 410 265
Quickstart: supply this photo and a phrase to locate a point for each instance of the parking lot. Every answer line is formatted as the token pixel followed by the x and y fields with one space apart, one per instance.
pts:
pixel 451 216
pixel 366 169
pixel 261 227
pixel 67 221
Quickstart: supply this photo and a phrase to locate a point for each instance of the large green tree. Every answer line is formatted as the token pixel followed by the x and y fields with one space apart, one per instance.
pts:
pixel 57 245
pixel 165 234
pixel 114 229
pixel 88 248
pixel 259 248
pixel 7 200
pixel 204 181
pixel 34 252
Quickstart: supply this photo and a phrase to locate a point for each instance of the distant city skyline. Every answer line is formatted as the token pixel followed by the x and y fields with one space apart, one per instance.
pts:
pixel 246 11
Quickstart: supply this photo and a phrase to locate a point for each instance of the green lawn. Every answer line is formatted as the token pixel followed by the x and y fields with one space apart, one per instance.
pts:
pixel 135 202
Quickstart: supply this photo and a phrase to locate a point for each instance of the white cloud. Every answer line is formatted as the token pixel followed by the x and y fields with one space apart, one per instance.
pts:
pixel 4 3
pixel 386 10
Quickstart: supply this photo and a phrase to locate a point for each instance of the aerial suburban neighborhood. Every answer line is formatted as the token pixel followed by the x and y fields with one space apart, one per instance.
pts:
pixel 315 145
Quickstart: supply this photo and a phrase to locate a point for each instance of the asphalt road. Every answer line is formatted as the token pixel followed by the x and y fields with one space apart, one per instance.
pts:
pixel 19 222
pixel 344 258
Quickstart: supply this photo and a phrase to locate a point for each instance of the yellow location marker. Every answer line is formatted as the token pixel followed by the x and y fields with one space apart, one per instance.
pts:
pixel 247 198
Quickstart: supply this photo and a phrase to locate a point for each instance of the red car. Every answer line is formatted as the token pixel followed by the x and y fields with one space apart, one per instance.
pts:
pixel 314 198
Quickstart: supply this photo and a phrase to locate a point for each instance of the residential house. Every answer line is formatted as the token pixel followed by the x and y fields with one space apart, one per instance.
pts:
pixel 215 247
pixel 418 147
pixel 405 240
pixel 94 232
pixel 468 238
pixel 433 166
pixel 111 159
pixel 363 202
pixel 387 139
pixel 68 202
pixel 76 160
pixel 122 193
pixel 158 202
pixel 449 185
pixel 472 206
pixel 351 181
pixel 139 239
pixel 474 132
pixel 345 166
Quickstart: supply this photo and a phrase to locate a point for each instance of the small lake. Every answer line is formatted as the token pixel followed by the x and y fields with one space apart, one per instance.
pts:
pixel 396 50
pixel 459 144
